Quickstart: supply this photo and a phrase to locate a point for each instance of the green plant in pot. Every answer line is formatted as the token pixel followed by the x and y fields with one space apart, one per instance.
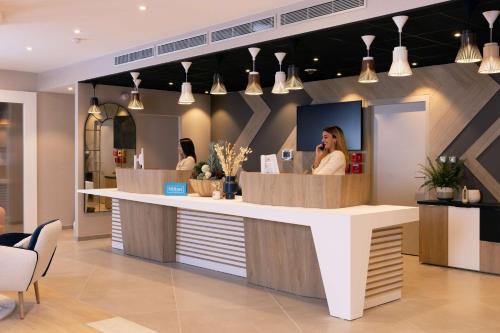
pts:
pixel 207 176
pixel 444 175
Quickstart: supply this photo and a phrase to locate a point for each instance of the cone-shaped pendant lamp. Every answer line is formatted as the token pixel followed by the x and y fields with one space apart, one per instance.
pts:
pixel 135 102
pixel 368 74
pixel 94 103
pixel 400 65
pixel 280 77
pixel 186 97
pixel 218 87
pixel 491 58
pixel 253 86
pixel 293 81
pixel 468 52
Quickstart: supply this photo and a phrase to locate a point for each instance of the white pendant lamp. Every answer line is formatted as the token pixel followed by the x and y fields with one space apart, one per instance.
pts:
pixel 468 52
pixel 135 98
pixel 218 87
pixel 94 103
pixel 368 73
pixel 491 58
pixel 400 65
pixel 253 86
pixel 293 81
pixel 280 77
pixel 186 97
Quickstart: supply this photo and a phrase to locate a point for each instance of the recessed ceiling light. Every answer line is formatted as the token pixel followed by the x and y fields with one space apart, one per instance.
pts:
pixel 170 83
pixel 76 31
pixel 339 74
pixel 315 59
pixel 70 88
pixel 457 34
pixel 310 70
pixel 142 8
pixel 29 48
pixel 414 64
pixel 247 70
pixel 206 91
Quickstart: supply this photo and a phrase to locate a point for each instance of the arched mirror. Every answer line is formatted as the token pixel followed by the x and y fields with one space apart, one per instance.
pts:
pixel 109 143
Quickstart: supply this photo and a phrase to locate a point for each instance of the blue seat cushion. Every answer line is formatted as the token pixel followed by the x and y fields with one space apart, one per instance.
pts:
pixel 12 238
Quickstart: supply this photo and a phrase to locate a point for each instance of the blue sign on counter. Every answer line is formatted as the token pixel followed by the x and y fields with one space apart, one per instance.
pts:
pixel 177 189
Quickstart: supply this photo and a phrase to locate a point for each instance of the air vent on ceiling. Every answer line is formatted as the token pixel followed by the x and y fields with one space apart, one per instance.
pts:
pixel 243 29
pixel 134 56
pixel 182 44
pixel 326 8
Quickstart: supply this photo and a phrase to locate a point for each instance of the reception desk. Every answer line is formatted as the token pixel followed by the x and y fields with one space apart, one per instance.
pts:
pixel 351 256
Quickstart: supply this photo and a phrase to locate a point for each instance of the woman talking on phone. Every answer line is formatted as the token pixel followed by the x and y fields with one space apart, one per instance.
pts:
pixel 331 155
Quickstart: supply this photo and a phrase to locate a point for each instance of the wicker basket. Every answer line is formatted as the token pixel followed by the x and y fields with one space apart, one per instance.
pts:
pixel 204 186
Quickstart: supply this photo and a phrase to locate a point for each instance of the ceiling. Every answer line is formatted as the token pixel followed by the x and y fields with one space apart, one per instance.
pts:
pixel 107 26
pixel 428 35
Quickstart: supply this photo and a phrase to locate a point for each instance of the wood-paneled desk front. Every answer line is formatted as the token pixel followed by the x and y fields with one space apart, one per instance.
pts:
pixel 349 244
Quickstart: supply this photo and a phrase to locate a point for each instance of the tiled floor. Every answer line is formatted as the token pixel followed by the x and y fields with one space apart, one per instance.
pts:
pixel 88 282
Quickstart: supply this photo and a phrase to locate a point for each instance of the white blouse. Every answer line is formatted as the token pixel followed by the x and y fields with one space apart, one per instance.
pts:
pixel 332 164
pixel 187 163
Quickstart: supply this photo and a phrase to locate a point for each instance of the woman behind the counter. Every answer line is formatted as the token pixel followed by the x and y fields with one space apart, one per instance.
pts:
pixel 187 155
pixel 331 155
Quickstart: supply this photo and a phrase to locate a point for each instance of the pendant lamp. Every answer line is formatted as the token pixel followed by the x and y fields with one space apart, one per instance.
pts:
pixel 94 103
pixel 400 65
pixel 293 81
pixel 218 87
pixel 368 74
pixel 253 86
pixel 135 102
pixel 468 52
pixel 491 58
pixel 280 77
pixel 186 97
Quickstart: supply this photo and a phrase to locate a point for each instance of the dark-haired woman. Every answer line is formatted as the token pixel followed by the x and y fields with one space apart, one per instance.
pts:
pixel 187 155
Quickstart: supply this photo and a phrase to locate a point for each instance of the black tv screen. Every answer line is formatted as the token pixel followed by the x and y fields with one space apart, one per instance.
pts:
pixel 311 119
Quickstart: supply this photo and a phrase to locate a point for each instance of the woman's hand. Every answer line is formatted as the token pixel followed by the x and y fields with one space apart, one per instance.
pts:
pixel 319 154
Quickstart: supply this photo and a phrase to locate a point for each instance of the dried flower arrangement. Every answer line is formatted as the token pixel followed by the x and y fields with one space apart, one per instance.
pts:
pixel 230 159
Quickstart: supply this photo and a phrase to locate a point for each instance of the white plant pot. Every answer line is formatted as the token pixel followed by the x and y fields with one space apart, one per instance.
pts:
pixel 444 193
pixel 474 196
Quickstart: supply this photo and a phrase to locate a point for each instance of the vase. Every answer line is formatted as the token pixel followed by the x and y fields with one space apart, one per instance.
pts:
pixel 474 196
pixel 230 187
pixel 444 193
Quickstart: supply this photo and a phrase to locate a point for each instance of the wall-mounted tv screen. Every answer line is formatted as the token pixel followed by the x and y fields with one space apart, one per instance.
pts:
pixel 311 119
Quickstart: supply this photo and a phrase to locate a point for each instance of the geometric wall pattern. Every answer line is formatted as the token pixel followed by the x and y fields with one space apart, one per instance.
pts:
pixel 463 120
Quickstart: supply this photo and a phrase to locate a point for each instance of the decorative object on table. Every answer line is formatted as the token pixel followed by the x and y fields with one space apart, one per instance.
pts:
pixel 474 196
pixel 465 195
pixel 444 175
pixel 139 160
pixel 269 164
pixel 231 161
pixel 120 156
pixel 175 189
pixel 207 176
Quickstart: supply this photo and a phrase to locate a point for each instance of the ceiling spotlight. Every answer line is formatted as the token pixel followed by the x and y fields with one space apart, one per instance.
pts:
pixel 77 31
pixel 310 70
pixel 29 48
pixel 206 91
pixel 339 74
pixel 315 59
pixel 280 77
pixel 491 58
pixel 186 97
pixel 142 8
pixel 253 86
pixel 135 102
pixel 414 64
pixel 70 88
pixel 457 34
pixel 247 70
pixel 368 73
pixel 400 66
pixel 170 83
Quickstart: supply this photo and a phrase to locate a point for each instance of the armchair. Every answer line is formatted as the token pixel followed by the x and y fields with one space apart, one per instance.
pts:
pixel 22 266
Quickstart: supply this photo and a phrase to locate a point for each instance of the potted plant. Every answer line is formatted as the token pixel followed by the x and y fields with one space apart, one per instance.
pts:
pixel 444 175
pixel 207 176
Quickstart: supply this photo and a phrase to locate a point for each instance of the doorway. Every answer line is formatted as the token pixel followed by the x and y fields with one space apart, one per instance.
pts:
pixel 400 141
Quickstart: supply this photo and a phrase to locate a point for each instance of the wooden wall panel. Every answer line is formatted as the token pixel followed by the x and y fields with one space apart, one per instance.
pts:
pixel 148 181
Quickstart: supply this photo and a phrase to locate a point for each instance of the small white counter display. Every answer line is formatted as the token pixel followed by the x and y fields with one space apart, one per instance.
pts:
pixel 351 256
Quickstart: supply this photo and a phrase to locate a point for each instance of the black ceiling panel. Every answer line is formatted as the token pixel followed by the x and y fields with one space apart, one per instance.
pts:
pixel 428 35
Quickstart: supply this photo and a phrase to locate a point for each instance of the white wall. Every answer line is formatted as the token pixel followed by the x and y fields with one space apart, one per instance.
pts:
pixel 195 123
